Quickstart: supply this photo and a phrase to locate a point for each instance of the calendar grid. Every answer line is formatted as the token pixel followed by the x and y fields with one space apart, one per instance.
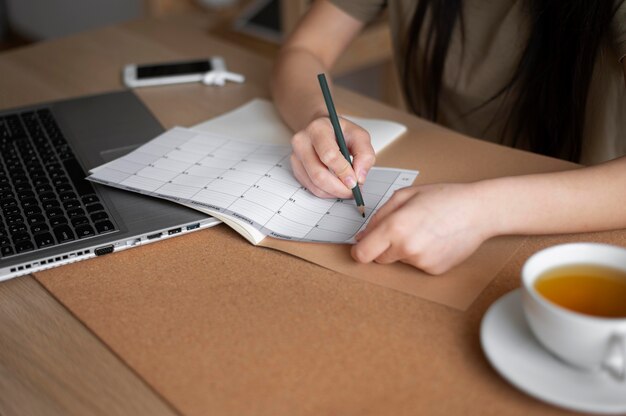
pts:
pixel 251 182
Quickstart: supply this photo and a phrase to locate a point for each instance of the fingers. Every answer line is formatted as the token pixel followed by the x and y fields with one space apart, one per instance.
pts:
pixel 323 163
pixel 327 150
pixel 363 156
pixel 302 177
pixel 396 201
pixel 315 171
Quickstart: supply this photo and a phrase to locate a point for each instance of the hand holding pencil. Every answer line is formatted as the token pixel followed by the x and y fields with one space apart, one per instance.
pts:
pixel 318 162
pixel 328 99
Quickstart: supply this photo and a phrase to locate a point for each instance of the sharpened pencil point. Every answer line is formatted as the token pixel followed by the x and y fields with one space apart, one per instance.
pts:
pixel 362 210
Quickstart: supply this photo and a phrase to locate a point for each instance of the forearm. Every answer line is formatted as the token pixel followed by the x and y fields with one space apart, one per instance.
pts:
pixel 580 200
pixel 294 87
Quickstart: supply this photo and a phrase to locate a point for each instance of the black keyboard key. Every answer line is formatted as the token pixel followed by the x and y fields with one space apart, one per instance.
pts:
pixel 104 227
pixel 30 202
pixel 22 236
pixel 83 231
pixel 25 195
pixel 59 180
pixel 90 199
pixel 17 228
pixel 53 203
pixel 17 170
pixel 43 188
pixel 6 251
pixel 12 210
pixel 79 221
pixel 4 241
pixel 23 187
pixel 14 219
pixel 54 167
pixel 39 228
pixel 47 196
pixel 99 216
pixel 8 202
pixel 54 212
pixel 40 180
pixel 34 219
pixel 24 246
pixel 35 170
pixel 64 187
pixel 56 174
pixel 58 221
pixel 76 212
pixel 66 196
pixel 77 175
pixel 94 208
pixel 6 195
pixel 63 233
pixel 44 240
pixel 20 179
pixel 32 210
pixel 72 203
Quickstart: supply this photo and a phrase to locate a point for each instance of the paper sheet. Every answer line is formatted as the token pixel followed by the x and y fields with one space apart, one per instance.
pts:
pixel 250 182
pixel 259 121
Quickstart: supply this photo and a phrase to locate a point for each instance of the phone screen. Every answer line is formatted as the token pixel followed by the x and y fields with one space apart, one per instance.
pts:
pixel 173 69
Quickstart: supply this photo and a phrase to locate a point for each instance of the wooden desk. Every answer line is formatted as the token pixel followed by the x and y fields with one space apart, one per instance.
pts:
pixel 300 340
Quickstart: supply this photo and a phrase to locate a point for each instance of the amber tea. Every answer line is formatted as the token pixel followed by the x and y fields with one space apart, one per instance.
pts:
pixel 588 289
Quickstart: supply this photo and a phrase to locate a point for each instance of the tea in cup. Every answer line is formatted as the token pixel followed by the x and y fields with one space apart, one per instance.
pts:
pixel 574 299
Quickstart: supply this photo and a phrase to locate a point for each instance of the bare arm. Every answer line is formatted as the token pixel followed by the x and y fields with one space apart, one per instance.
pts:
pixel 313 48
pixel 435 227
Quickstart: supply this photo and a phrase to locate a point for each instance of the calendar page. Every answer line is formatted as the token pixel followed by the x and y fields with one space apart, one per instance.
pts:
pixel 247 181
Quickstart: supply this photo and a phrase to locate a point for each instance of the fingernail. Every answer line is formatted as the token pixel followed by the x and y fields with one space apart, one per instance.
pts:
pixel 349 182
pixel 362 176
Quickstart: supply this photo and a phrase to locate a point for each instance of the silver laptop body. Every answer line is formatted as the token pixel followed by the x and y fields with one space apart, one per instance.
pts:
pixel 98 129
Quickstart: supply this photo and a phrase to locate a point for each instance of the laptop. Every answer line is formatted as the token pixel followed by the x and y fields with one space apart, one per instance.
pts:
pixel 49 214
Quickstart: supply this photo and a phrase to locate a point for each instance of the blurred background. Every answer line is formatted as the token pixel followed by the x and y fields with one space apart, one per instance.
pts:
pixel 259 25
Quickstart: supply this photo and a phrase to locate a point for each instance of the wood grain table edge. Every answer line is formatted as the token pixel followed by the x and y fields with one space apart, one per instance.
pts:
pixel 51 363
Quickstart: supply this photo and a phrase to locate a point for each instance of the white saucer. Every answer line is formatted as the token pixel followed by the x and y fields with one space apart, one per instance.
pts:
pixel 513 350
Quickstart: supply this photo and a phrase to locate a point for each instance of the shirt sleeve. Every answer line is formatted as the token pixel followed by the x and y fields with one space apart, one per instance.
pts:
pixel 363 10
pixel 618 28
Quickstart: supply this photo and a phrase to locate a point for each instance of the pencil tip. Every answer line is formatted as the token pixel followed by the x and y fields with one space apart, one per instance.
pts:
pixel 362 210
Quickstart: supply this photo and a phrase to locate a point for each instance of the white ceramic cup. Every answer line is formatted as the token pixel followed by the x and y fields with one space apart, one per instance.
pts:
pixel 584 341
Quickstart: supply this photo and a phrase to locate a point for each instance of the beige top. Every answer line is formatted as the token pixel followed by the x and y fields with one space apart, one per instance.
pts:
pixel 495 34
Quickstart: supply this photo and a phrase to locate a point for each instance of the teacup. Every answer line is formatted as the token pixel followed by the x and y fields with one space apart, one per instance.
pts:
pixel 587 340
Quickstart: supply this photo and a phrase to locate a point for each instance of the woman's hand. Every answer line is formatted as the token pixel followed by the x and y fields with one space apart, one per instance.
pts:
pixel 318 163
pixel 432 227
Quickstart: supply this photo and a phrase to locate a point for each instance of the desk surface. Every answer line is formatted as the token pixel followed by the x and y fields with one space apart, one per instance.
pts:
pixel 305 342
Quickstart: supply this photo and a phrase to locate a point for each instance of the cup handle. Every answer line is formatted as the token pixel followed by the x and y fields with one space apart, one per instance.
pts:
pixel 615 358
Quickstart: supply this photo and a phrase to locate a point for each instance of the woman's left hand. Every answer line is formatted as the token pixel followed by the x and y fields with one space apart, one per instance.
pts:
pixel 431 227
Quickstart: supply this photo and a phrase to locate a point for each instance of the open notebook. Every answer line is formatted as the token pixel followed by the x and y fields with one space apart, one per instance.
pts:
pixel 236 168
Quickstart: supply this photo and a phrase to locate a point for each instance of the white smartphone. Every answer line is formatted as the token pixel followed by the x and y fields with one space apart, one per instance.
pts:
pixel 146 75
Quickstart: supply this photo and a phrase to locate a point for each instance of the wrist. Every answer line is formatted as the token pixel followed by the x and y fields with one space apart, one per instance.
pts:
pixel 493 204
pixel 320 112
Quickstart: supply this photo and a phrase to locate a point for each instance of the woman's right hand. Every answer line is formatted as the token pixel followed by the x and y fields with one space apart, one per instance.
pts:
pixel 320 167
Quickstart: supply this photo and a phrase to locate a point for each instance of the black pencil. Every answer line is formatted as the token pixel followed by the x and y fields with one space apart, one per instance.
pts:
pixel 356 191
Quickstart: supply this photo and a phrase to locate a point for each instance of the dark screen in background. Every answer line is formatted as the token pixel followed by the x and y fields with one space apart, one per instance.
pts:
pixel 173 69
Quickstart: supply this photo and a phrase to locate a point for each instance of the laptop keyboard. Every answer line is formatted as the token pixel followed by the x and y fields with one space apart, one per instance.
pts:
pixel 44 197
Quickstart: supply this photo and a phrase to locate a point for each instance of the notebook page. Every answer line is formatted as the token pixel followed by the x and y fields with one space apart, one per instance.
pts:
pixel 249 182
pixel 259 120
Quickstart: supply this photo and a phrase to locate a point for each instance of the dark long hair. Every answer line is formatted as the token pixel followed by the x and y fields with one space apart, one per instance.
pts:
pixel 550 84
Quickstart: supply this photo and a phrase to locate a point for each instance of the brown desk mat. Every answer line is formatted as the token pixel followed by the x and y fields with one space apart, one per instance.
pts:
pixel 441 156
pixel 215 327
